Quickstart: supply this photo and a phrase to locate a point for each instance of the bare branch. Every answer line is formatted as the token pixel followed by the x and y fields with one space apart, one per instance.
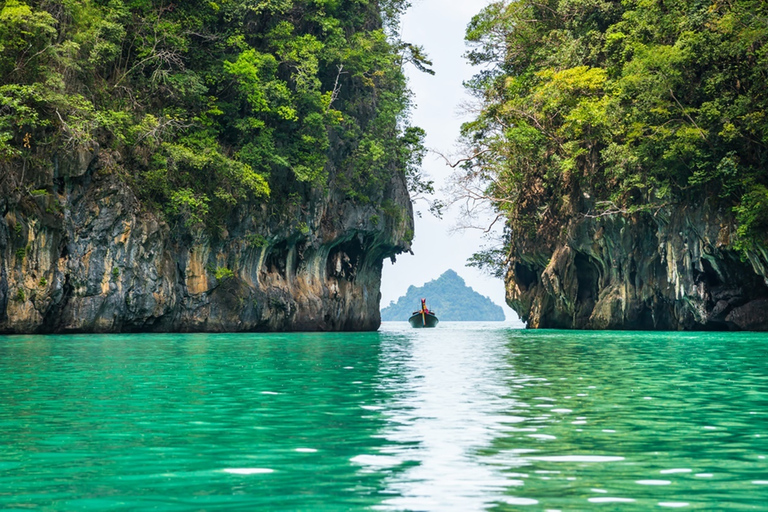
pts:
pixel 461 160
pixel 613 209
pixel 21 62
pixel 336 87
pixel 701 132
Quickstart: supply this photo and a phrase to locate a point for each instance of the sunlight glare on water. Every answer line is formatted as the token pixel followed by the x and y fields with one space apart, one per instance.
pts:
pixel 462 417
pixel 446 402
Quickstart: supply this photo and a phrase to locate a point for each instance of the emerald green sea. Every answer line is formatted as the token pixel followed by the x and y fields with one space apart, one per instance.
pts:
pixel 463 417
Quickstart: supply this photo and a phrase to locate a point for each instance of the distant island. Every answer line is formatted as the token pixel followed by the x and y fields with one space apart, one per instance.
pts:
pixel 450 298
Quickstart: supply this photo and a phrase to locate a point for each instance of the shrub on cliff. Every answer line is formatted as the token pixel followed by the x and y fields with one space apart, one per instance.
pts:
pixel 210 104
pixel 598 107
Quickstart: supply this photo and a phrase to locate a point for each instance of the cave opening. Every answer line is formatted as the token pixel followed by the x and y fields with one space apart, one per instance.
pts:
pixel 587 276
pixel 707 275
pixel 276 259
pixel 344 260
pixel 525 276
pixel 300 259
pixel 3 294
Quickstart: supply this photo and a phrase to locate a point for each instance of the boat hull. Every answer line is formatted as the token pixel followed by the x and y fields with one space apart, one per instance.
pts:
pixel 426 320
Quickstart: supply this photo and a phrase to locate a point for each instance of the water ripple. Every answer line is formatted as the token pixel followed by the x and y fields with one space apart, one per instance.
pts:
pixel 448 419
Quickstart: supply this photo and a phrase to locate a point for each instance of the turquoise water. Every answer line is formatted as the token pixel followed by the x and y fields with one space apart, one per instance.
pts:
pixel 462 417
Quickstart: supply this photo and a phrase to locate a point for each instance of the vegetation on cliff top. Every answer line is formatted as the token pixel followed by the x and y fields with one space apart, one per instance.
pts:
pixel 449 297
pixel 595 107
pixel 210 104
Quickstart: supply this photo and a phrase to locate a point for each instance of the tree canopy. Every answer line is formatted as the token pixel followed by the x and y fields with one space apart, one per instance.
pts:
pixel 210 103
pixel 597 107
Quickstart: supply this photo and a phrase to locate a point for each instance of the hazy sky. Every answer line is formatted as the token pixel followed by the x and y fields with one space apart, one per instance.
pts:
pixel 439 26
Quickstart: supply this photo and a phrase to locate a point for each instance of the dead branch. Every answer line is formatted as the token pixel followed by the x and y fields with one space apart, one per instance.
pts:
pixel 461 160
pixel 336 87
pixel 613 209
pixel 701 132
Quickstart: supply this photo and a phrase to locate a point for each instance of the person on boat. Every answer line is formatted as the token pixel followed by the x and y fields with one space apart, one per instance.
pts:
pixel 423 308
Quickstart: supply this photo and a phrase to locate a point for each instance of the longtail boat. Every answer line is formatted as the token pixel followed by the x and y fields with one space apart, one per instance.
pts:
pixel 423 317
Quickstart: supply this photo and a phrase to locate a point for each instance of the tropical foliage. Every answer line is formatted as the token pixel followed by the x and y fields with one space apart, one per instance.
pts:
pixel 211 104
pixel 597 107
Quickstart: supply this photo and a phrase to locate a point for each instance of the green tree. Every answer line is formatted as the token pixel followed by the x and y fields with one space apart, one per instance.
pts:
pixel 213 106
pixel 606 107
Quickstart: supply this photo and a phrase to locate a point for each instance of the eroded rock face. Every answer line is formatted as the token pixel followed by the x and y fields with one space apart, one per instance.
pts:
pixel 86 257
pixel 672 270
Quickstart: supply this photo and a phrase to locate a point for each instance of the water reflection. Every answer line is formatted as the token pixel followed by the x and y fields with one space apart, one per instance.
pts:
pixel 462 417
pixel 486 418
pixel 449 400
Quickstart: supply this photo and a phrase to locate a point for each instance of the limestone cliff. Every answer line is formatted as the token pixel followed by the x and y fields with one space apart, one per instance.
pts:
pixel 82 254
pixel 202 166
pixel 628 160
pixel 672 269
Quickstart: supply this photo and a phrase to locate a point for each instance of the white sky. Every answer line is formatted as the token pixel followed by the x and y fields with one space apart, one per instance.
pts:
pixel 439 26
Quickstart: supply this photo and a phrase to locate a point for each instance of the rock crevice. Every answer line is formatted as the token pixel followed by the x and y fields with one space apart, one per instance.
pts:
pixel 672 270
pixel 87 257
